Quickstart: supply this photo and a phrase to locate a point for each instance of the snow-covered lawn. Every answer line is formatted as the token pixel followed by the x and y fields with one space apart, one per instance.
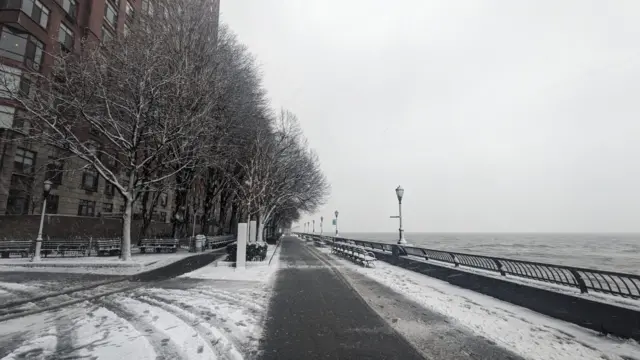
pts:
pixel 108 265
pixel 260 271
pixel 530 334
pixel 212 313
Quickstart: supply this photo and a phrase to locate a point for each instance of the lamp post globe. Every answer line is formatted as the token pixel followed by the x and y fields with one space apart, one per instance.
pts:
pixel 399 193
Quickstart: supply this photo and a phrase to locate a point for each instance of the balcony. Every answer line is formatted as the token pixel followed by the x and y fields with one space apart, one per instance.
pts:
pixel 25 16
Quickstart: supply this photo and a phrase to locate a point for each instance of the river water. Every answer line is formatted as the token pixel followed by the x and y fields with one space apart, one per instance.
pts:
pixel 613 252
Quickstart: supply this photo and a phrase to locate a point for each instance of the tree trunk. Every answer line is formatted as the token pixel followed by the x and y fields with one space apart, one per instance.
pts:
pixel 125 248
pixel 233 222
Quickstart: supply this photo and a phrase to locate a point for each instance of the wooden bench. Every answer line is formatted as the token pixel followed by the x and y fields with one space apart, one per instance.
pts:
pixel 158 245
pixel 65 246
pixel 107 246
pixel 355 253
pixel 21 247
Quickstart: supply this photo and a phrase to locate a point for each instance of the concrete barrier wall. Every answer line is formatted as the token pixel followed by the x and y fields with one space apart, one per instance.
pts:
pixel 598 316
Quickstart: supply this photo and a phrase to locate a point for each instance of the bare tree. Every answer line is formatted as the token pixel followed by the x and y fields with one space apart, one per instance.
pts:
pixel 146 95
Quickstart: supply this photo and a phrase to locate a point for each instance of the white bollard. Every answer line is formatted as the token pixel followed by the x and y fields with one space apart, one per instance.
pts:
pixel 253 233
pixel 241 254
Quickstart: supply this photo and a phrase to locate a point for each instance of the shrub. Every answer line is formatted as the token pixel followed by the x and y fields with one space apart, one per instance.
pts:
pixel 255 252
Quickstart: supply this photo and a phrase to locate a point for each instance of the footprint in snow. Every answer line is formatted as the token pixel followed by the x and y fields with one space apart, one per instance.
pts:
pixel 241 323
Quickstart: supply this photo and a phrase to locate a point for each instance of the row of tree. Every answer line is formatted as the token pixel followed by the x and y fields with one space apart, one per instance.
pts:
pixel 178 105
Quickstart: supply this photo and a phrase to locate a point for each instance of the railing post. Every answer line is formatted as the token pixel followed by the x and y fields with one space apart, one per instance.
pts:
pixel 580 281
pixel 455 260
pixel 397 251
pixel 499 265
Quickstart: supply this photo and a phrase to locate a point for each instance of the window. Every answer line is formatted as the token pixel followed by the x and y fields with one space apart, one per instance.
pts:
pixel 19 195
pixel 70 7
pixel 6 117
pixel 163 200
pixel 109 189
pixel 9 81
pixel 18 202
pixel 86 208
pixel 110 15
pixel 12 83
pixel 92 148
pixel 52 204
pixel 107 208
pixel 109 160
pixel 33 8
pixel 147 7
pixel 105 34
pixel 20 120
pixel 65 37
pixel 130 11
pixel 24 161
pixel 21 47
pixel 90 180
pixel 54 170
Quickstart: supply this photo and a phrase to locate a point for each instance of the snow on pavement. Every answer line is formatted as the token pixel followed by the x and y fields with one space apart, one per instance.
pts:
pixel 40 347
pixel 530 334
pixel 211 313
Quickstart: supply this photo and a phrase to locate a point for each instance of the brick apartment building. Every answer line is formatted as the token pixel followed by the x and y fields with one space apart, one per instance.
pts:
pixel 30 29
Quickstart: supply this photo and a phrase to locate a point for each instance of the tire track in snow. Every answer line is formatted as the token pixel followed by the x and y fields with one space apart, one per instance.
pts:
pixel 232 299
pixel 166 350
pixel 212 318
pixel 214 314
pixel 220 344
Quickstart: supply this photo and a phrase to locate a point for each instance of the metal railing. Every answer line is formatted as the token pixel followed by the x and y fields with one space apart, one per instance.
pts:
pixel 586 280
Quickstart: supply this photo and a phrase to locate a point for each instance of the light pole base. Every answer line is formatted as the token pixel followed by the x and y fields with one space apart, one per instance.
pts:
pixel 36 258
pixel 402 242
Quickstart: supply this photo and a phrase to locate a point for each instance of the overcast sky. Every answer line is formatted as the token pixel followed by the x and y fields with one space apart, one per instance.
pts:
pixel 493 115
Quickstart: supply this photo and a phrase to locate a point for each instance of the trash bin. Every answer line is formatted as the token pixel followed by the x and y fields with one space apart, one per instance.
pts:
pixel 200 239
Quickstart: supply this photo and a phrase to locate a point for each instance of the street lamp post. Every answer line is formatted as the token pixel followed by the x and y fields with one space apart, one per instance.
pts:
pixel 45 194
pixel 336 220
pixel 314 226
pixel 399 194
pixel 321 221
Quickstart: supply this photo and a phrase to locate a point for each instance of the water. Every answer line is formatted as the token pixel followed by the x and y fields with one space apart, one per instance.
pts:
pixel 612 252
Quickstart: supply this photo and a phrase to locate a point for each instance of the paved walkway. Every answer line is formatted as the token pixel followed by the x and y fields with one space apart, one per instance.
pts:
pixel 315 314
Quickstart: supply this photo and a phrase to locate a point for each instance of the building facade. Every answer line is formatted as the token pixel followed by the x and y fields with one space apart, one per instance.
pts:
pixel 31 29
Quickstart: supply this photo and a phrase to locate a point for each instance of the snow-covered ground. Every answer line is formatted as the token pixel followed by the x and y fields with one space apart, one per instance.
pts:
pixel 255 271
pixel 212 313
pixel 530 334
pixel 110 265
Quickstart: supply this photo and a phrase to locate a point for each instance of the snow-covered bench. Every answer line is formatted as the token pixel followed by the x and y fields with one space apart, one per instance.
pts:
pixel 355 253
pixel 215 242
pixel 66 246
pixel 158 245
pixel 8 247
pixel 105 247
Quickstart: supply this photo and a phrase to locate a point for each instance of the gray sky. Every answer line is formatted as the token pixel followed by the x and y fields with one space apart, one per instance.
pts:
pixel 493 115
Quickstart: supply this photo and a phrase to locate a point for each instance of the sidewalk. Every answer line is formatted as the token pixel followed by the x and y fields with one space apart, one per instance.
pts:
pixel 315 314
